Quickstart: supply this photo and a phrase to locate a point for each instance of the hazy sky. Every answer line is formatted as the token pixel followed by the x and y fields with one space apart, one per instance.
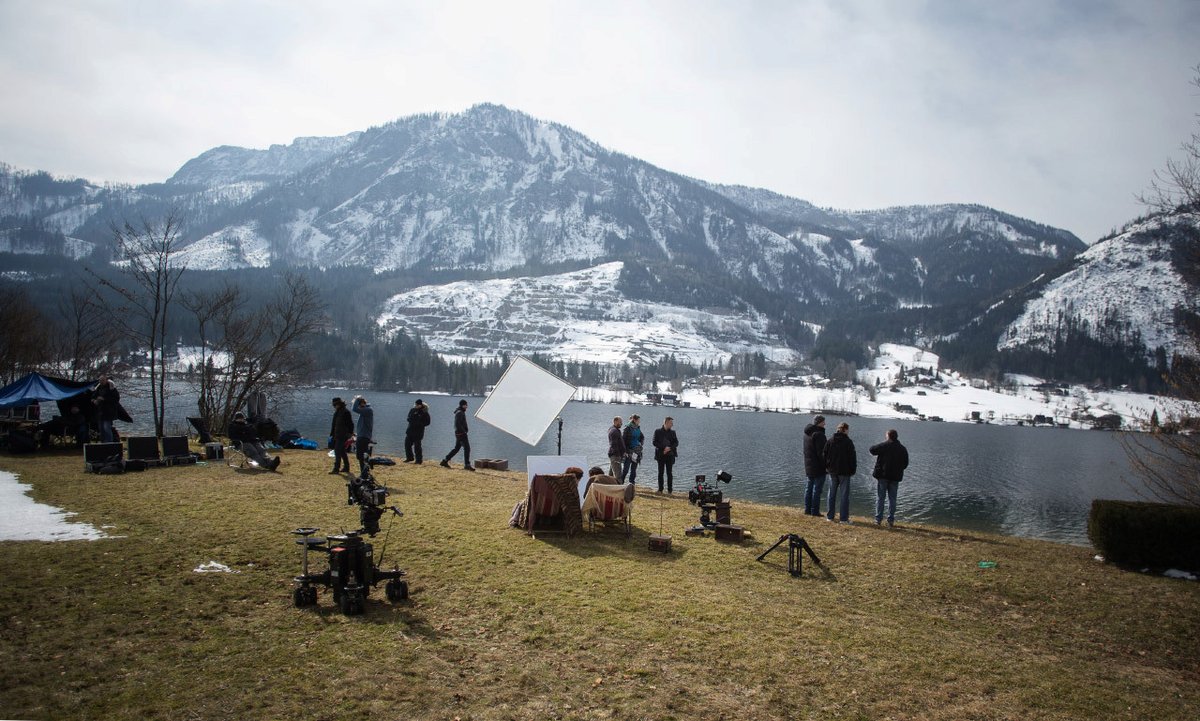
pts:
pixel 1055 111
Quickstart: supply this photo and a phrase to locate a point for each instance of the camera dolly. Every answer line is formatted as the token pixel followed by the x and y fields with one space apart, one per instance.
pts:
pixel 710 499
pixel 352 572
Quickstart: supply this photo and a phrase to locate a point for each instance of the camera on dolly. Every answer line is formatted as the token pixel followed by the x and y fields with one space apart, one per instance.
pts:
pixel 710 499
pixel 353 570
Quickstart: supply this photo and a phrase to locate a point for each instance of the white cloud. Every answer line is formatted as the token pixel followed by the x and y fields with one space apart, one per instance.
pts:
pixel 1058 111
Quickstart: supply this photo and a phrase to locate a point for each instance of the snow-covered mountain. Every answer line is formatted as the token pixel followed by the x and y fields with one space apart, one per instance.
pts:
pixel 581 316
pixel 227 164
pixel 491 190
pixel 1135 288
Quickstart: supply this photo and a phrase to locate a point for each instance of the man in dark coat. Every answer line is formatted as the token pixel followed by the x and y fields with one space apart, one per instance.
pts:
pixel 666 449
pixel 108 403
pixel 891 458
pixel 248 441
pixel 616 448
pixel 418 419
pixel 814 465
pixel 341 430
pixel 460 438
pixel 842 463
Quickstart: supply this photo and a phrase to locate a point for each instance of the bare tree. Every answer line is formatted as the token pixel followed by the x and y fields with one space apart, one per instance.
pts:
pixel 251 350
pixel 86 338
pixel 140 308
pixel 1177 185
pixel 1167 459
pixel 24 341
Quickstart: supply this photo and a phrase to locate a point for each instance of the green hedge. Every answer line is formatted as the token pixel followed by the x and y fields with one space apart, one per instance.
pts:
pixel 1157 535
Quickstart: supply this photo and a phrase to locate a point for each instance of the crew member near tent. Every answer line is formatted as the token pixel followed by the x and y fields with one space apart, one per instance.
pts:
pixel 107 399
pixel 460 438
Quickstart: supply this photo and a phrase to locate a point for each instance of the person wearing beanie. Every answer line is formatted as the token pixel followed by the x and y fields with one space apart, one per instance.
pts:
pixel 460 438
pixel 340 431
pixel 364 431
pixel 814 465
pixel 418 419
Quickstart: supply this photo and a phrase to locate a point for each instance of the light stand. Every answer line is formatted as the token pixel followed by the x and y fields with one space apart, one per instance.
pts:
pixel 795 545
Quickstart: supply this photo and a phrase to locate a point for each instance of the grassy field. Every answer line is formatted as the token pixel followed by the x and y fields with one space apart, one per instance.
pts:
pixel 902 624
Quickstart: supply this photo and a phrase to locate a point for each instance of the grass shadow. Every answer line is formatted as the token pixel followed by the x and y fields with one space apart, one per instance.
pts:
pixel 609 542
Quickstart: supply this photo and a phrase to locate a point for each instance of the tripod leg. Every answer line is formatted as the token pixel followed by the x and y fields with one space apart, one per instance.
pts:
pixel 811 553
pixel 772 548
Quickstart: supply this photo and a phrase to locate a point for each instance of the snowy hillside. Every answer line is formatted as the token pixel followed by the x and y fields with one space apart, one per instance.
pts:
pixel 579 316
pixel 1127 288
pixel 228 164
pixel 237 247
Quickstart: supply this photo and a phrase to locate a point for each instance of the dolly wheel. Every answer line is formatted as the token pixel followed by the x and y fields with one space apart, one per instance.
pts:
pixel 352 604
pixel 310 595
pixel 396 590
pixel 300 597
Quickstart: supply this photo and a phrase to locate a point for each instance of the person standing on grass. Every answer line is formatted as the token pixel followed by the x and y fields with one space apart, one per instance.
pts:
pixel 616 448
pixel 814 465
pixel 891 458
pixel 364 431
pixel 418 419
pixel 107 400
pixel 842 463
pixel 633 438
pixel 460 438
pixel 340 431
pixel 666 448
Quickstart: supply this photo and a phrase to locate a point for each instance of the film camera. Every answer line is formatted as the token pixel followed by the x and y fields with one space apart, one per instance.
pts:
pixel 709 498
pixel 353 570
pixel 705 493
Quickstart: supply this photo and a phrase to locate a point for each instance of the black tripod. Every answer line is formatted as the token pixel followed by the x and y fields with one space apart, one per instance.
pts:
pixel 795 544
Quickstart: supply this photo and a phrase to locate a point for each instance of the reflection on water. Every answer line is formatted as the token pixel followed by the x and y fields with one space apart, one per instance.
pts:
pixel 1034 482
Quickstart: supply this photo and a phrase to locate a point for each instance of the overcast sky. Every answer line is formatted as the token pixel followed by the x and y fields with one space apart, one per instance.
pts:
pixel 1055 111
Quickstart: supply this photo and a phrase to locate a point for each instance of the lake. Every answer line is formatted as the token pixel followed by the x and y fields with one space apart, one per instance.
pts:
pixel 1032 482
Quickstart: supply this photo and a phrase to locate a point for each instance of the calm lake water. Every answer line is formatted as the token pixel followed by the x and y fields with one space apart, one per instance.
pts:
pixel 1033 482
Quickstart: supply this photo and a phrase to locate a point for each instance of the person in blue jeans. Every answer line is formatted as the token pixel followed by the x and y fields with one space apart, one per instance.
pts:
pixel 891 458
pixel 814 465
pixel 634 439
pixel 364 432
pixel 842 463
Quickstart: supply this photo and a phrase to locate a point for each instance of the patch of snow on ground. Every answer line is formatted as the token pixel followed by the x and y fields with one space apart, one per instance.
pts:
pixel 24 519
pixel 213 567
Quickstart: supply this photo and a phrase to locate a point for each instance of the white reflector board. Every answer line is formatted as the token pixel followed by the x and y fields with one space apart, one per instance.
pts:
pixel 526 401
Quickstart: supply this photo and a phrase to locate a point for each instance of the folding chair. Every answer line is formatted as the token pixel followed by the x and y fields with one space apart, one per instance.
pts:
pixel 607 504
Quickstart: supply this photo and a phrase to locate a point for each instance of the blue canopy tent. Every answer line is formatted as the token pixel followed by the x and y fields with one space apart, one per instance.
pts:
pixel 36 387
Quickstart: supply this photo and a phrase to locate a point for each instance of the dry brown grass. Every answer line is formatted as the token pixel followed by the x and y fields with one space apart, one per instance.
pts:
pixel 903 625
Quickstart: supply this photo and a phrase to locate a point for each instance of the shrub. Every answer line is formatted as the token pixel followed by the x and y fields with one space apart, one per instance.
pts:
pixel 1159 535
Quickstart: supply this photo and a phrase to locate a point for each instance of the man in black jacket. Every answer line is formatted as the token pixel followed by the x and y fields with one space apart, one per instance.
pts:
pixel 460 438
pixel 418 419
pixel 891 458
pixel 814 465
pixel 842 463
pixel 341 430
pixel 666 448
